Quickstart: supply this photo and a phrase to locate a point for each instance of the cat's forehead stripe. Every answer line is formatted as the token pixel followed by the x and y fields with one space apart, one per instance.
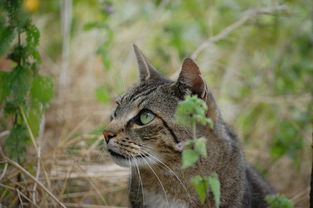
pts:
pixel 143 93
pixel 137 93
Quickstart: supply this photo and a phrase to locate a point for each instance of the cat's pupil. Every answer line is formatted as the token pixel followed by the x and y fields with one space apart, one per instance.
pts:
pixel 146 117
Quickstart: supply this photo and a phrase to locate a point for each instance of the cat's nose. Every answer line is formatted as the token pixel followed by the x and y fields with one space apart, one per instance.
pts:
pixel 108 135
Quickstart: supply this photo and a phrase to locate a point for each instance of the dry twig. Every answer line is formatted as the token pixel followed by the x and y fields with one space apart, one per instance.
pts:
pixel 16 165
pixel 244 18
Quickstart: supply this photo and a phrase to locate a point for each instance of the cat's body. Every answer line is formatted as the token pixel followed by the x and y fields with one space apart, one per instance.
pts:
pixel 142 135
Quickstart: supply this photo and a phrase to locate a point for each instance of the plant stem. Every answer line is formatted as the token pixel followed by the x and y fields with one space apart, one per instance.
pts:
pixel 29 130
pixel 194 133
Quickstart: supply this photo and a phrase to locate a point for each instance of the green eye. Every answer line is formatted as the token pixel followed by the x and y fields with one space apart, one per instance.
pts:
pixel 146 117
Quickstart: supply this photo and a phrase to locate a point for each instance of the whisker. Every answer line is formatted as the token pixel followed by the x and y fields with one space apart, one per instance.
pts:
pixel 140 180
pixel 160 162
pixel 130 181
pixel 158 180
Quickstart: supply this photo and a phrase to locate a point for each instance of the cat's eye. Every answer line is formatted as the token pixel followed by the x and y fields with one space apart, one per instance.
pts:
pixel 145 117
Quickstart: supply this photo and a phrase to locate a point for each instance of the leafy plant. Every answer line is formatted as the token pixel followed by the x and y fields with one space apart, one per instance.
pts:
pixel 24 93
pixel 189 112
pixel 197 149
pixel 278 201
pixel 204 184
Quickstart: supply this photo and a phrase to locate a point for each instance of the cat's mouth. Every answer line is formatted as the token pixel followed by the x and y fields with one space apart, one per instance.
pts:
pixel 119 156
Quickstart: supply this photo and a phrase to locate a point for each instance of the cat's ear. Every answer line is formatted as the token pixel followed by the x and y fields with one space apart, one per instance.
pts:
pixel 190 77
pixel 146 70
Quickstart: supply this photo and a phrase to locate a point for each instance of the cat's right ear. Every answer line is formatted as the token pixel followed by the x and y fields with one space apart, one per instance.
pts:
pixel 146 70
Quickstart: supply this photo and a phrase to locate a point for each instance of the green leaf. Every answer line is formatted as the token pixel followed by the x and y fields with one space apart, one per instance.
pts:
pixel 190 111
pixel 4 88
pixel 200 147
pixel 32 40
pixel 189 143
pixel 201 187
pixel 215 187
pixel 17 142
pixel 7 35
pixel 278 201
pixel 20 79
pixel 42 89
pixel 10 107
pixel 34 118
pixel 210 122
pixel 189 158
pixel 32 35
pixel 103 94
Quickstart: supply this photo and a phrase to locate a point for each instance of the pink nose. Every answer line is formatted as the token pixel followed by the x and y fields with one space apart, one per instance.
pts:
pixel 108 135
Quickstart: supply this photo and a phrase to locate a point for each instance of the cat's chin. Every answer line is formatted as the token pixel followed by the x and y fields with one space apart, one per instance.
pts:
pixel 121 162
pixel 137 161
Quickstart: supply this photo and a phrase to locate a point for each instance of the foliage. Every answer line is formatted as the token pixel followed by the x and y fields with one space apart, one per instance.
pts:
pixel 102 94
pixel 206 183
pixel 189 112
pixel 197 149
pixel 201 184
pixel 278 201
pixel 215 187
pixel 24 93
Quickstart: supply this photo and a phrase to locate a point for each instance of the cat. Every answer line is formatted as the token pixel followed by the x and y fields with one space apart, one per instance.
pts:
pixel 142 135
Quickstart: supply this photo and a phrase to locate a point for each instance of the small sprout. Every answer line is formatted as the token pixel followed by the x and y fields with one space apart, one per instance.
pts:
pixel 190 157
pixel 215 187
pixel 197 149
pixel 278 201
pixel 205 184
pixel 201 186
pixel 192 110
pixel 200 146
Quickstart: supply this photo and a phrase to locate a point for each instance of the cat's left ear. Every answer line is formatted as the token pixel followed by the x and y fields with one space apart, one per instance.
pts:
pixel 190 77
pixel 146 70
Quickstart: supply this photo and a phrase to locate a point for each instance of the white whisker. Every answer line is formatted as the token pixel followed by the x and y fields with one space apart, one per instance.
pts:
pixel 158 180
pixel 130 181
pixel 160 162
pixel 140 180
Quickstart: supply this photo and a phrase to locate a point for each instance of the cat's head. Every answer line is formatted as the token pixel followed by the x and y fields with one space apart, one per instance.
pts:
pixel 142 131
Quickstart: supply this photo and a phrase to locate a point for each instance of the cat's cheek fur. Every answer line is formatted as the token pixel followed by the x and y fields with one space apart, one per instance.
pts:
pixel 155 200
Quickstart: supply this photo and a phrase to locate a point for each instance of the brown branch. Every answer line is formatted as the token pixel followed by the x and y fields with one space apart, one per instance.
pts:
pixel 244 18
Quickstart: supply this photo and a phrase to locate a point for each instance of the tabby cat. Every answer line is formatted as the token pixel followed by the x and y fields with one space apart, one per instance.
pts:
pixel 143 136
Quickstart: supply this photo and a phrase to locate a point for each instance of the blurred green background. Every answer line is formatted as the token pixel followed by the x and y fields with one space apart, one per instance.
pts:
pixel 260 73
